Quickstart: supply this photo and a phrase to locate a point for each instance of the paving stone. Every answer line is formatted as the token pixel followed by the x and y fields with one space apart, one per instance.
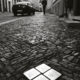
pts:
pixel 44 47
pixel 21 59
pixel 8 74
pixel 54 67
pixel 43 68
pixel 69 47
pixel 54 60
pixel 10 69
pixel 41 77
pixel 66 56
pixel 67 78
pixel 7 55
pixel 39 61
pixel 64 49
pixel 65 61
pixel 75 54
pixel 59 47
pixel 16 59
pixel 58 42
pixel 39 55
pixel 52 74
pixel 67 74
pixel 18 76
pixel 1 66
pixel 22 67
pixel 67 52
pixel 6 62
pixel 25 62
pixel 14 62
pixel 76 78
pixel 16 66
pixel 3 59
pixel 70 58
pixel 65 69
pixel 77 68
pixel 54 63
pixel 30 74
pixel 64 64
pixel 72 65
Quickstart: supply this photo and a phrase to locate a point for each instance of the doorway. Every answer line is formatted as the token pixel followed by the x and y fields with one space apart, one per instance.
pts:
pixel 77 7
pixel 0 6
pixel 9 6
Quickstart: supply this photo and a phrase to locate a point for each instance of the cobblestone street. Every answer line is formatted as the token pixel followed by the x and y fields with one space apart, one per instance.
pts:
pixel 33 40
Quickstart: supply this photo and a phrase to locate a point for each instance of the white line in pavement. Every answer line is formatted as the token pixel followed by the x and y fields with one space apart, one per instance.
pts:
pixel 9 21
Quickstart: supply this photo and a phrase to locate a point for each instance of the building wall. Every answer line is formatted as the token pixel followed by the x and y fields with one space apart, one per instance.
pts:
pixel 0 5
pixel 49 3
pixel 76 8
pixel 6 5
pixel 36 3
pixel 9 5
pixel 58 8
pixel 2 10
pixel 3 5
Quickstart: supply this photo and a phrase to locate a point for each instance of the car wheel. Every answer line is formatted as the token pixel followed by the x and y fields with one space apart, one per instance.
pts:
pixel 33 13
pixel 15 14
pixel 22 14
pixel 29 13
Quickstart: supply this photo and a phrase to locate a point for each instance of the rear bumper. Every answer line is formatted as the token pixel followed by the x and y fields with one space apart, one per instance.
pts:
pixel 23 10
pixel 19 10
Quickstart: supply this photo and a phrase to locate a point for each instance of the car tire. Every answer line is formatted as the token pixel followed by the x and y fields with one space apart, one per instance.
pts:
pixel 29 13
pixel 33 13
pixel 15 14
pixel 22 14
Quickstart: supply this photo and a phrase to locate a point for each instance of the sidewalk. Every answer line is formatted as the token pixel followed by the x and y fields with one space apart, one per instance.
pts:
pixel 73 22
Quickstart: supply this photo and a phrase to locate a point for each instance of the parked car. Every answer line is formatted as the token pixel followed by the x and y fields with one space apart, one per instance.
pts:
pixel 23 7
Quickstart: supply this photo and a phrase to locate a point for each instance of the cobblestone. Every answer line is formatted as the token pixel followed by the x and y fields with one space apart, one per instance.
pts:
pixel 33 40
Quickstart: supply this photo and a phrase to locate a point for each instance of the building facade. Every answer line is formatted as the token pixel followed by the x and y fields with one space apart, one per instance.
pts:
pixel 6 5
pixel 61 7
pixel 49 3
pixel 3 5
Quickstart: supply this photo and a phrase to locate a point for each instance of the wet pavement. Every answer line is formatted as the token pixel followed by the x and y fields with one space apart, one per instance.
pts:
pixel 33 40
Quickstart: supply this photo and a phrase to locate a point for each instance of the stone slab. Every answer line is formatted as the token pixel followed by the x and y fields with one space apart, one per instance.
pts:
pixel 41 77
pixel 52 74
pixel 43 68
pixel 71 24
pixel 30 74
pixel 76 18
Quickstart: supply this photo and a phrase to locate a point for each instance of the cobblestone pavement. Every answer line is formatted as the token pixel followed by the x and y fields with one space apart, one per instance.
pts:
pixel 33 40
